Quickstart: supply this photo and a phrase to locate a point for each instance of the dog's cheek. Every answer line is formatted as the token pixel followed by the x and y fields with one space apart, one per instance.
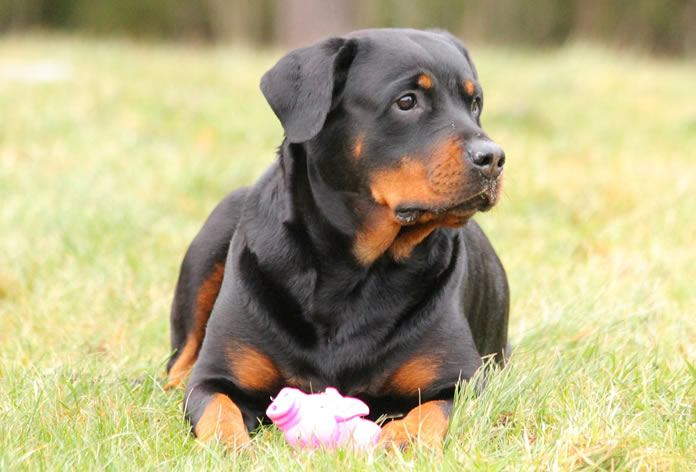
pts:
pixel 447 174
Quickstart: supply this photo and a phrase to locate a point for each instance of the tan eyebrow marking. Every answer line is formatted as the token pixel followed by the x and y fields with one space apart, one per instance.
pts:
pixel 469 87
pixel 425 81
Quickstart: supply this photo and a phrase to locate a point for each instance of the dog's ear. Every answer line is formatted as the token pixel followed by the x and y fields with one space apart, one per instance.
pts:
pixel 302 86
pixel 457 43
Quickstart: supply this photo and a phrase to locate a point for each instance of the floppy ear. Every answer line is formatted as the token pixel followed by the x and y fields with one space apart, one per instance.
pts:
pixel 457 43
pixel 301 87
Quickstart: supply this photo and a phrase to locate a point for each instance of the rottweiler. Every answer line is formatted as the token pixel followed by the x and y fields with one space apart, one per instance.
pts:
pixel 353 262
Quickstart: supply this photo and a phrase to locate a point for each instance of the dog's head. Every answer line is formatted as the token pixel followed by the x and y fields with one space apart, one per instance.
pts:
pixel 391 118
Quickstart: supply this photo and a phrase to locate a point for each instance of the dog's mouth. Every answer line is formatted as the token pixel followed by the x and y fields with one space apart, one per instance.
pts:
pixel 482 201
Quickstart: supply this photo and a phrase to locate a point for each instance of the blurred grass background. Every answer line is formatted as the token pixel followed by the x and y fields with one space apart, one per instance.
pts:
pixel 663 27
pixel 112 153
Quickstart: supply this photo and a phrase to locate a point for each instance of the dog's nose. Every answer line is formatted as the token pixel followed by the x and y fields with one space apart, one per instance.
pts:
pixel 487 157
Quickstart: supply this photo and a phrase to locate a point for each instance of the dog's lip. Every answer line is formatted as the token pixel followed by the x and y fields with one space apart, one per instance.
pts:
pixel 480 201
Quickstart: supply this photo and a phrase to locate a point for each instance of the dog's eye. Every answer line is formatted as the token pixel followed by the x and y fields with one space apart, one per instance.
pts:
pixel 406 102
pixel 475 107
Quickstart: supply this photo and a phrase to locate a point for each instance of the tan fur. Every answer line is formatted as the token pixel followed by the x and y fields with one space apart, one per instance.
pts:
pixel 426 423
pixel 252 369
pixel 204 305
pixel 222 420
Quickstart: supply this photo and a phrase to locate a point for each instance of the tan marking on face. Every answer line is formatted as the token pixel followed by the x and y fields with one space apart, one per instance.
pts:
pixel 427 424
pixel 222 420
pixel 469 87
pixel 455 220
pixel 415 374
pixel 377 234
pixel 435 182
pixel 425 81
pixel 252 369
pixel 358 146
pixel 408 182
pixel 409 237
pixel 448 173
pixel 205 300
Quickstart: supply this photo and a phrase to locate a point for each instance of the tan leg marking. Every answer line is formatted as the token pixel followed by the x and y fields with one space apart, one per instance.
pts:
pixel 252 369
pixel 205 300
pixel 222 420
pixel 415 374
pixel 426 423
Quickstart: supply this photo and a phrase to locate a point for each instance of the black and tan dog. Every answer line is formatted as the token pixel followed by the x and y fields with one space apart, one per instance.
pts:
pixel 353 262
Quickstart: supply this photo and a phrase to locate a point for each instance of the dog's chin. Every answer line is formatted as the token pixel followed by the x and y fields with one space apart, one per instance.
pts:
pixel 483 201
pixel 450 215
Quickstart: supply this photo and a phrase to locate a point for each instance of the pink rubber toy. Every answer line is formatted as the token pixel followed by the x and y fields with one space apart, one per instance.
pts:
pixel 323 420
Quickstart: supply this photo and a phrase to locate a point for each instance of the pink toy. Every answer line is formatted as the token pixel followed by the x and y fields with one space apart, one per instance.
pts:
pixel 323 420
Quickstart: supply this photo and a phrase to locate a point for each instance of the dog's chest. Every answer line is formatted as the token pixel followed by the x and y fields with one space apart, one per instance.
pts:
pixel 398 358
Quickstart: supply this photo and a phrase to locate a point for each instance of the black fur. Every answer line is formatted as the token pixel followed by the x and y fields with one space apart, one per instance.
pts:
pixel 293 287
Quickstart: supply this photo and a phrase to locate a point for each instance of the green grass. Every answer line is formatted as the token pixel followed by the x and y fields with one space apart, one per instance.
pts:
pixel 106 175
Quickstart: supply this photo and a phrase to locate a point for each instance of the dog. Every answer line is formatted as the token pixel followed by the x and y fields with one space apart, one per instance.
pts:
pixel 353 262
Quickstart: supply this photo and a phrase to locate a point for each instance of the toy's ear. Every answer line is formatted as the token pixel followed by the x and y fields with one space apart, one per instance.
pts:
pixel 351 408
pixel 303 84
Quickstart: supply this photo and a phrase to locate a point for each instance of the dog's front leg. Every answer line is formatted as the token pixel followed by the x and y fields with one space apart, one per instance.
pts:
pixel 213 415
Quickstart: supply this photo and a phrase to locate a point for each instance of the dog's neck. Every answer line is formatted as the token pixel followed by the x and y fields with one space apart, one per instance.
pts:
pixel 328 216
pixel 321 270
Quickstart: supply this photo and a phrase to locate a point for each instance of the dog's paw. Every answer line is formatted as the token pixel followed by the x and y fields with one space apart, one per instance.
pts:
pixel 425 425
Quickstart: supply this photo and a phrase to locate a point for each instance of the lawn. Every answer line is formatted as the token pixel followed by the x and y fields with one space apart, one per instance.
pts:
pixel 113 153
